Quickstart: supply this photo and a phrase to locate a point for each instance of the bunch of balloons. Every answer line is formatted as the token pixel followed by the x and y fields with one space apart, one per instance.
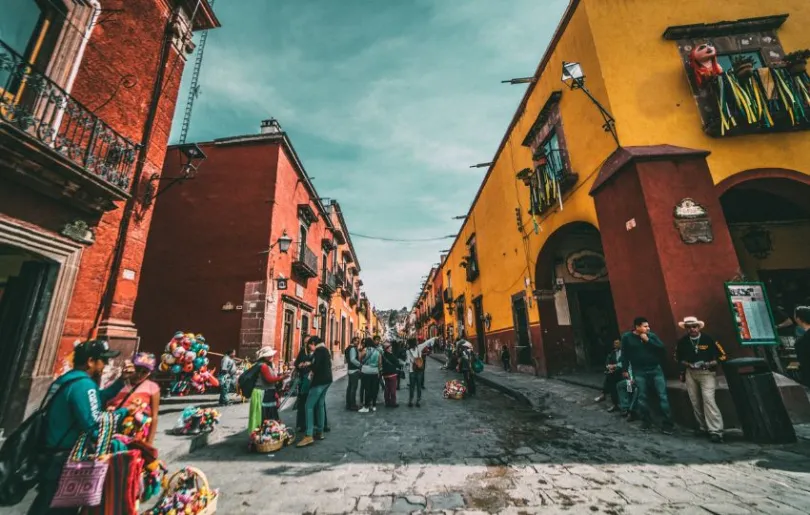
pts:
pixel 186 356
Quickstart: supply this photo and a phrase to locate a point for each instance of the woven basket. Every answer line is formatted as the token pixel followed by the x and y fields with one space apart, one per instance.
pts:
pixel 201 480
pixel 266 447
pixel 455 396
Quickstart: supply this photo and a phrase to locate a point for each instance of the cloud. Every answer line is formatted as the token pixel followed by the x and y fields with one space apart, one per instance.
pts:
pixel 387 103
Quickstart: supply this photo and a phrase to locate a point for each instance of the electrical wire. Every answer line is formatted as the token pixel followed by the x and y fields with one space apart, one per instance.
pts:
pixel 400 240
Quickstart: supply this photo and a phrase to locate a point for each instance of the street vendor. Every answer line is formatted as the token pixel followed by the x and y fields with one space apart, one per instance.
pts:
pixel 141 398
pixel 264 401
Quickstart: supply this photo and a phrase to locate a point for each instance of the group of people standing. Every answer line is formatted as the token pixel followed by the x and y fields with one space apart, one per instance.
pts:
pixel 634 366
pixel 462 358
pixel 371 363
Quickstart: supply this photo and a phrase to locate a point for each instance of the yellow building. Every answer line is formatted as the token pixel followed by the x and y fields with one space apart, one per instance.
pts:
pixel 581 223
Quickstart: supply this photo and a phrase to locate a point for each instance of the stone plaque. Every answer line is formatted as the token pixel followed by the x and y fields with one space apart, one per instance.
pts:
pixel 693 223
pixel 78 230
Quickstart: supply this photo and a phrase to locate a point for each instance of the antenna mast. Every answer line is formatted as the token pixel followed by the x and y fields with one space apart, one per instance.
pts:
pixel 194 90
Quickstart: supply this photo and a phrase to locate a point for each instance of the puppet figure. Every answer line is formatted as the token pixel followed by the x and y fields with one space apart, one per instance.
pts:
pixel 703 60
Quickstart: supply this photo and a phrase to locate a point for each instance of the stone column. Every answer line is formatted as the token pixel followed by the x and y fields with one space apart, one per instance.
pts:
pixel 661 266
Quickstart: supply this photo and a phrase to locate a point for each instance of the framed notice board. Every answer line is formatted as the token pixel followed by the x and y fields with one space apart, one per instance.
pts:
pixel 751 310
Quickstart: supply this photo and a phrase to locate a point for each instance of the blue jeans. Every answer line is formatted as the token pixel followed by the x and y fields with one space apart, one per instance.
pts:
pixel 652 377
pixel 225 386
pixel 415 382
pixel 627 400
pixel 316 400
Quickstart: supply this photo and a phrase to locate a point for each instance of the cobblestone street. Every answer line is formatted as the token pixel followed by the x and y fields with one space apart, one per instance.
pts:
pixel 492 454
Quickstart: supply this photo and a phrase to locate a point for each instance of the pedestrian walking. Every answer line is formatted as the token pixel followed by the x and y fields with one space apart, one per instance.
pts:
pixel 802 347
pixel 613 374
pixel 466 367
pixel 74 409
pixel 390 373
pixel 401 353
pixel 353 365
pixel 321 380
pixel 506 359
pixel 372 366
pixel 644 350
pixel 698 354
pixel 415 365
pixel 264 401
pixel 227 377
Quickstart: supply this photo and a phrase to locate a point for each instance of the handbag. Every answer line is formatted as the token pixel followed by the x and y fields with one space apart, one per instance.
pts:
pixel 122 487
pixel 82 480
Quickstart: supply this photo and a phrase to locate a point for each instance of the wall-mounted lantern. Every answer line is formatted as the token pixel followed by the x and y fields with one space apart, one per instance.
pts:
pixel 192 157
pixel 574 77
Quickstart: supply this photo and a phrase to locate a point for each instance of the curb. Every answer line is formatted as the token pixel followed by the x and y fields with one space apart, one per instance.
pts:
pixel 495 385
pixel 577 382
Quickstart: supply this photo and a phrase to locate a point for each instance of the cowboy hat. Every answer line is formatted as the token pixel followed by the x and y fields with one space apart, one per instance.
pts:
pixel 266 352
pixel 691 321
pixel 467 344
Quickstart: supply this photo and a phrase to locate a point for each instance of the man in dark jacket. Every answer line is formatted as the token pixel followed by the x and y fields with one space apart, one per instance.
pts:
pixel 75 409
pixel 698 355
pixel 352 357
pixel 321 370
pixel 643 349
pixel 803 344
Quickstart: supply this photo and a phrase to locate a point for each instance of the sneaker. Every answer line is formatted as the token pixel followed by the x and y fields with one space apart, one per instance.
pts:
pixel 319 436
pixel 600 398
pixel 363 410
pixel 305 441
pixel 374 409
pixel 716 438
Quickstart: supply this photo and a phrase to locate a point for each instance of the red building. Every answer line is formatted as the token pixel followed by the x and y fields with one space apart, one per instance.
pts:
pixel 86 104
pixel 216 261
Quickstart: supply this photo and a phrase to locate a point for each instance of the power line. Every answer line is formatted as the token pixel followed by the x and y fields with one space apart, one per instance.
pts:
pixel 400 240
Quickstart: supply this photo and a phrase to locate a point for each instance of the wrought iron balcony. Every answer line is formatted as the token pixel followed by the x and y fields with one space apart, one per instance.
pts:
pixel 305 262
pixel 52 142
pixel 329 283
pixel 438 309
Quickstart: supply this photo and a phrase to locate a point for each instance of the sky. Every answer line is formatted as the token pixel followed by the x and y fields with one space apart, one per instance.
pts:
pixel 387 102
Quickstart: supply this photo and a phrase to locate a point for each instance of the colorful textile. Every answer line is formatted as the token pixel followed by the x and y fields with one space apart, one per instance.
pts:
pixel 122 488
pixel 255 410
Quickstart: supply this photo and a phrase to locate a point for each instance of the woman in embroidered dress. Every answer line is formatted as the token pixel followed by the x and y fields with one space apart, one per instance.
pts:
pixel 141 398
pixel 264 400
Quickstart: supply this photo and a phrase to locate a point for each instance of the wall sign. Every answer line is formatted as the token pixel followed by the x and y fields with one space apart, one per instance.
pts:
pixel 752 313
pixel 693 223
pixel 78 230
pixel 587 265
pixel 469 317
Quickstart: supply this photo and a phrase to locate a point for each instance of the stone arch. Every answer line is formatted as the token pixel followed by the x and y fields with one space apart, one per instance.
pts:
pixel 574 301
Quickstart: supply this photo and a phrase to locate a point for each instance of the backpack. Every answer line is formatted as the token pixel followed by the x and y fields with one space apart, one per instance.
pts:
pixel 418 363
pixel 478 365
pixel 247 381
pixel 21 457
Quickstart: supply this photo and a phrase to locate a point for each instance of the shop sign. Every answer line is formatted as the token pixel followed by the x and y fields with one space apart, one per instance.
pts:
pixel 587 265
pixel 693 223
pixel 751 310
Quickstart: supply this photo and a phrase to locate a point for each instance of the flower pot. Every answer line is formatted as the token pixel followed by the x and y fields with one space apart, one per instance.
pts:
pixel 744 71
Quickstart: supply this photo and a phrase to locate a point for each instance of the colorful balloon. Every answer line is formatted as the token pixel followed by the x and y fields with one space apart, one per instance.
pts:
pixel 176 369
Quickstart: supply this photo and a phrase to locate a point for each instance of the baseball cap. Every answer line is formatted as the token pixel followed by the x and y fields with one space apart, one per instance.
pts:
pixel 95 349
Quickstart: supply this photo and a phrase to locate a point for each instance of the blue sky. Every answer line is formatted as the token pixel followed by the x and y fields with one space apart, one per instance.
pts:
pixel 388 103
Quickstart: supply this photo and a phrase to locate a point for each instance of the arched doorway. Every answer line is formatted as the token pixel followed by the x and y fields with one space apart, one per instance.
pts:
pixel 768 216
pixel 574 300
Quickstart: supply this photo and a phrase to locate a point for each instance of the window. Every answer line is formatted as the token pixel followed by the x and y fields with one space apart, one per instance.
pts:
pixel 472 260
pixel 550 177
pixel 727 60
pixel 29 29
pixel 302 241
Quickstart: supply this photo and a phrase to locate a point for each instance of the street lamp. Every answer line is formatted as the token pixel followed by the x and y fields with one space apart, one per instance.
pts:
pixel 283 242
pixel 574 77
pixel 192 158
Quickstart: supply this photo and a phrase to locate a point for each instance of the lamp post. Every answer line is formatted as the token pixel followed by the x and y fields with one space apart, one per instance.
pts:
pixel 574 77
pixel 192 157
pixel 283 243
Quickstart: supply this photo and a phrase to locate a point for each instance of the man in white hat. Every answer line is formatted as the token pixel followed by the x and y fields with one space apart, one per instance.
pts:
pixel 698 354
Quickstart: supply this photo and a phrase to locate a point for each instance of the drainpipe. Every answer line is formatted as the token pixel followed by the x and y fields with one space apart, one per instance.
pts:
pixel 129 208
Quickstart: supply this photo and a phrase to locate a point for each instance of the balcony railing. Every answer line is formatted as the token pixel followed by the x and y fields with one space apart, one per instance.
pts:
pixel 329 283
pixel 36 106
pixel 771 100
pixel 305 261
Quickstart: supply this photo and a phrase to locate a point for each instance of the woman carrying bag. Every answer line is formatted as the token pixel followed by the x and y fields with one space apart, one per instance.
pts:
pixel 264 398
pixel 372 365
pixel 141 400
